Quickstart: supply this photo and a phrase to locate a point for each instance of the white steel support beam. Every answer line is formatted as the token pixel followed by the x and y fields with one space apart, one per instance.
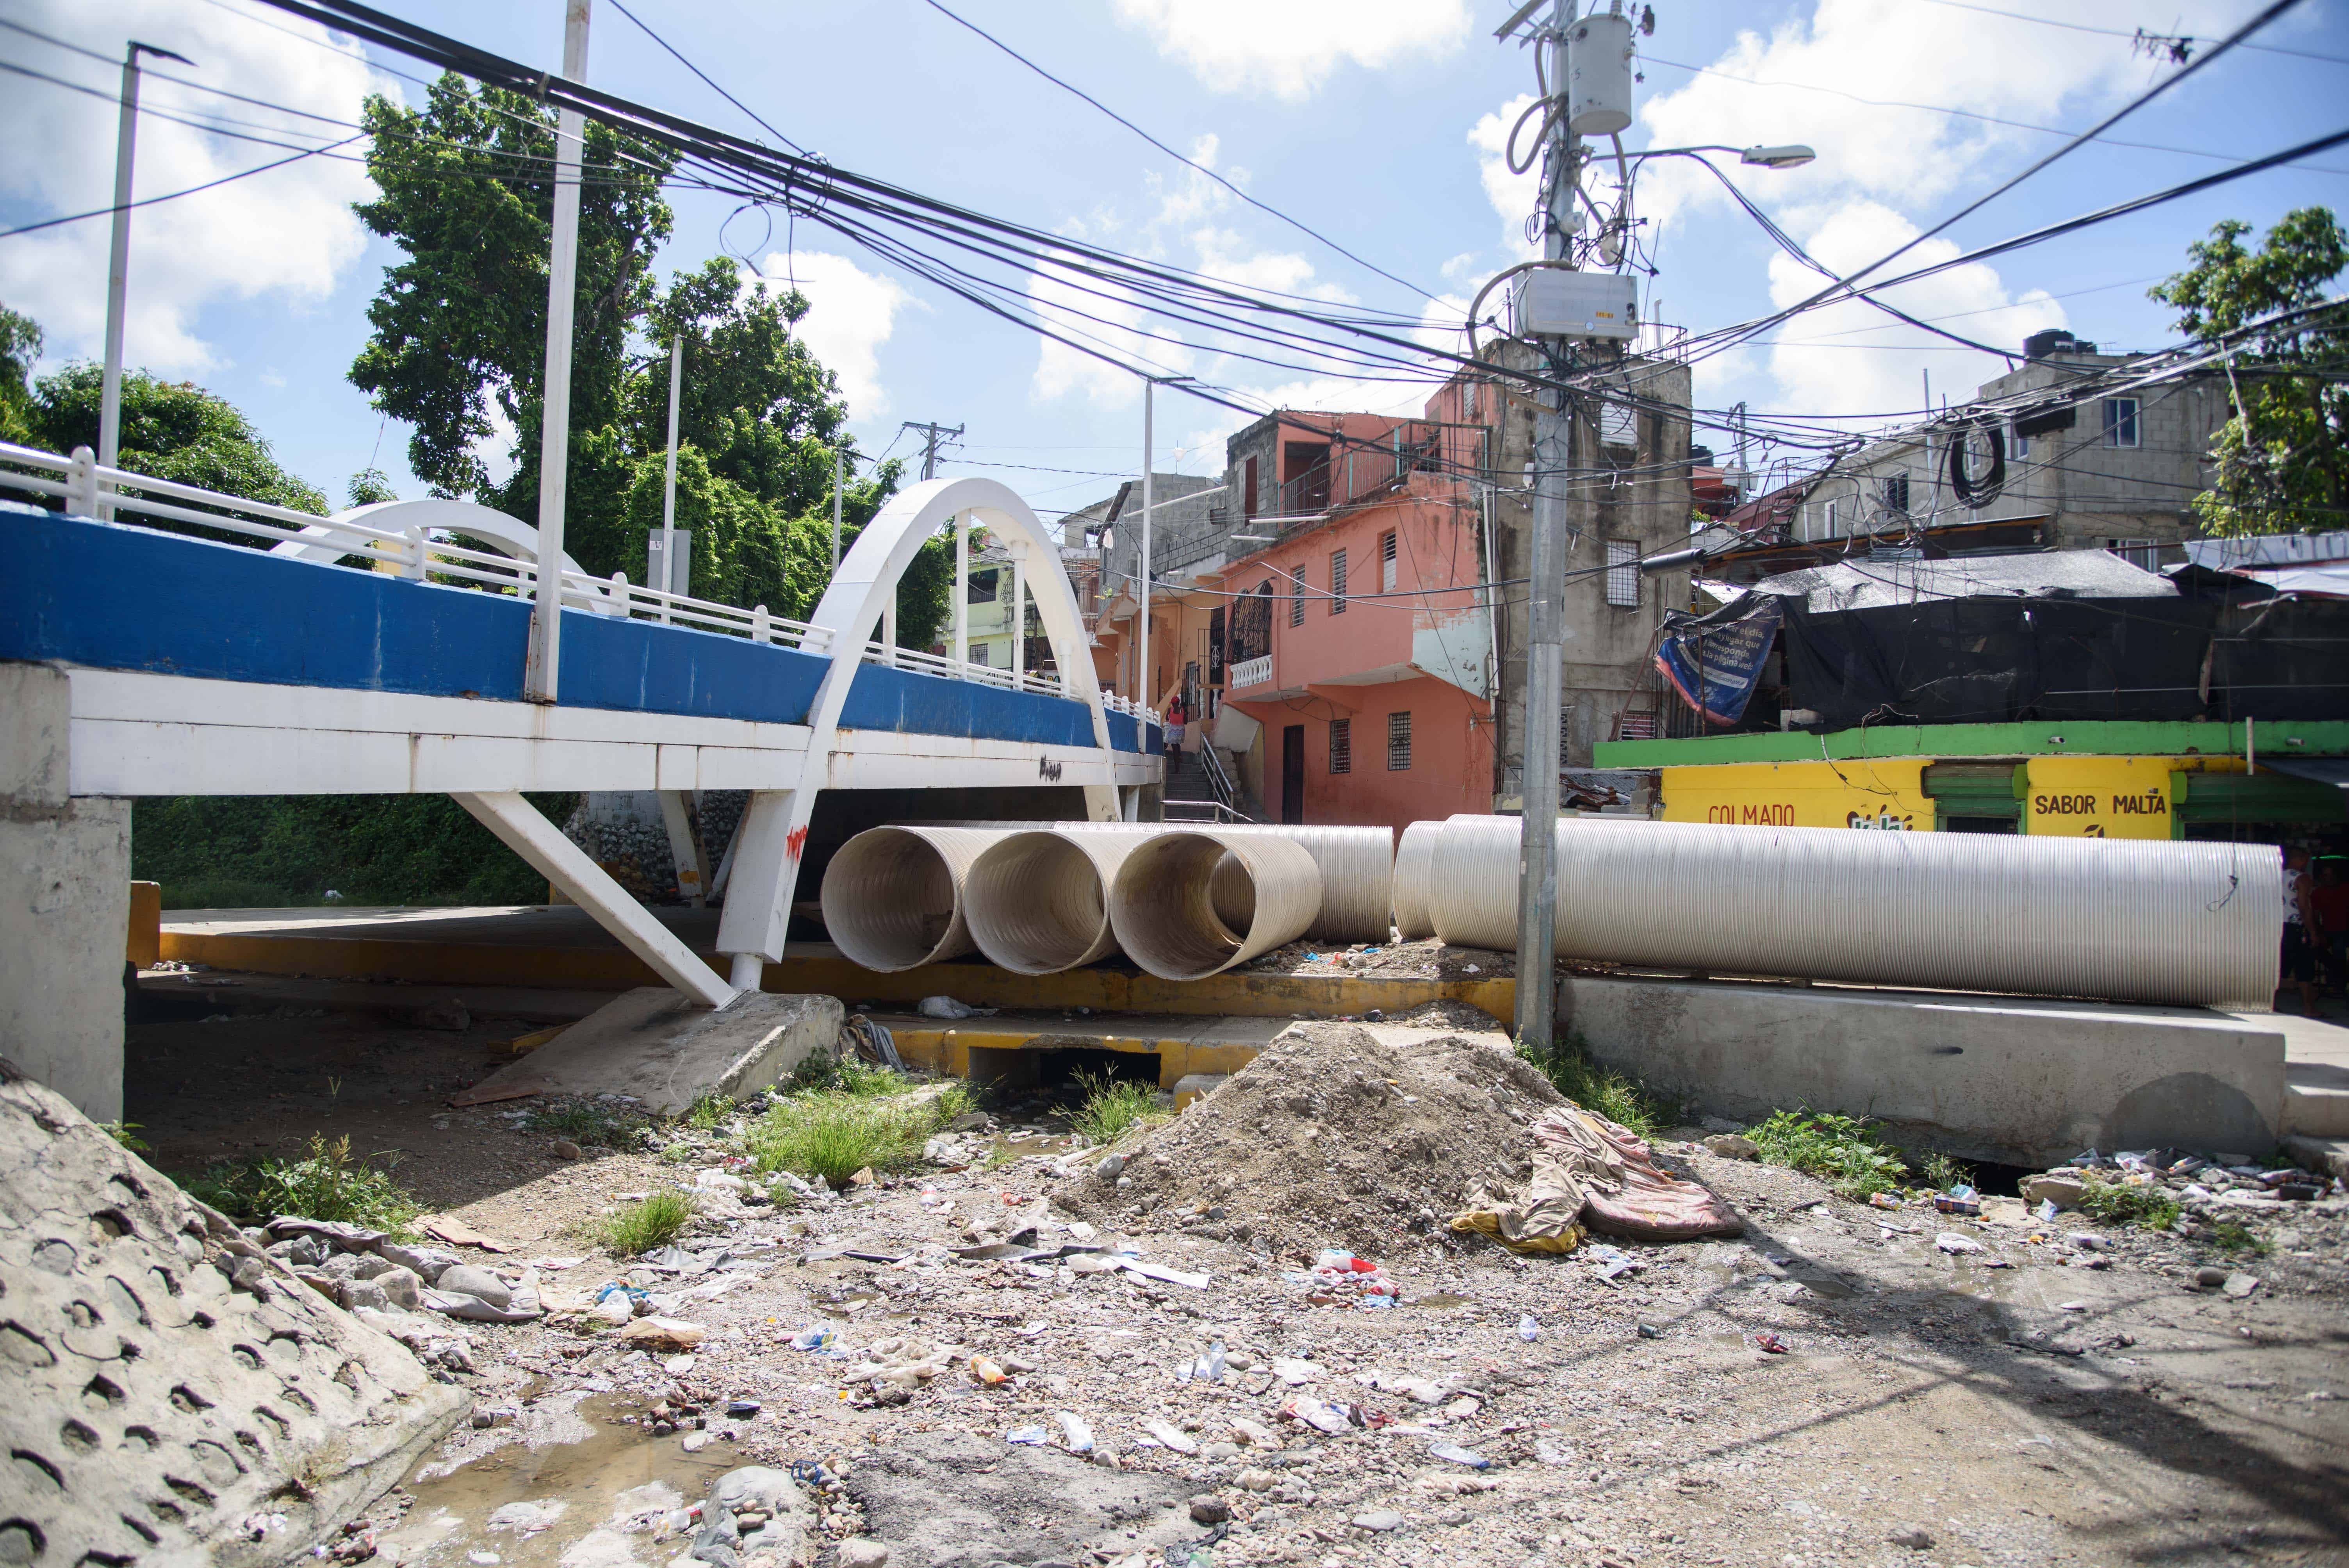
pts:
pixel 765 870
pixel 521 829
pixel 681 847
pixel 961 526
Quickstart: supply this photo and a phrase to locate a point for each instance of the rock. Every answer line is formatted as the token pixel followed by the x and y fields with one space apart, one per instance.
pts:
pixel 1255 1433
pixel 717 1543
pixel 468 1279
pixel 1914 1539
pixel 1110 1168
pixel 448 1012
pixel 696 1442
pixel 662 1333
pixel 2064 1191
pixel 1732 1146
pixel 1256 1481
pixel 567 1150
pixel 859 1552
pixel 1377 1518
pixel 122 1318
pixel 2210 1276
pixel 359 1292
pixel 2240 1285
pixel 1209 1509
pixel 401 1287
pixel 756 1487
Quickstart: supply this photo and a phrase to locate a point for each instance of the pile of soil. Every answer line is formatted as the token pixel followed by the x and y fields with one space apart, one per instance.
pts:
pixel 1333 1137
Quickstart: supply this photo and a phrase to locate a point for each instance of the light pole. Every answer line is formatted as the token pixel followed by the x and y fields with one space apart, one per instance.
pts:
pixel 118 265
pixel 538 679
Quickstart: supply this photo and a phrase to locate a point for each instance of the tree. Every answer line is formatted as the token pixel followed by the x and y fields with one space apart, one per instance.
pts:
pixel 174 431
pixel 20 346
pixel 460 326
pixel 2282 461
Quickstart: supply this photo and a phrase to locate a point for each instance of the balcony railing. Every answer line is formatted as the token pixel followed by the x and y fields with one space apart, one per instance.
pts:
pixel 1358 471
pixel 1247 673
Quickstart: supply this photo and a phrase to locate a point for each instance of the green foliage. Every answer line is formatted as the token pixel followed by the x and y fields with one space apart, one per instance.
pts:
pixel 1847 1152
pixel 1942 1173
pixel 269 851
pixel 20 346
pixel 870 1118
pixel 710 1111
pixel 1620 1100
pixel 1114 1108
pixel 174 431
pixel 646 1225
pixel 2234 1236
pixel 2281 462
pixel 2146 1206
pixel 126 1133
pixel 586 1122
pixel 371 487
pixel 328 1184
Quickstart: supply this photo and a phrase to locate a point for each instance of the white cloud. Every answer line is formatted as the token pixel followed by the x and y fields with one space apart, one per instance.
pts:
pixel 1819 362
pixel 1513 196
pixel 1289 47
pixel 289 232
pixel 851 314
pixel 1120 327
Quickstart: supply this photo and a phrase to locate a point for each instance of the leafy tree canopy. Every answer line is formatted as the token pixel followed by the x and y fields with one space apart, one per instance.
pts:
pixel 20 346
pixel 2281 462
pixel 461 335
pixel 172 429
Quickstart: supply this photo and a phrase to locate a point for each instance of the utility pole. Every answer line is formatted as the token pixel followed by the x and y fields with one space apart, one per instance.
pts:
pixel 667 583
pixel 540 673
pixel 1142 645
pixel 117 267
pixel 934 436
pixel 835 508
pixel 1546 641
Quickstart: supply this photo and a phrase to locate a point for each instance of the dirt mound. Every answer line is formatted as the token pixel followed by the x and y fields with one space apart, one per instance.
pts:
pixel 1333 1137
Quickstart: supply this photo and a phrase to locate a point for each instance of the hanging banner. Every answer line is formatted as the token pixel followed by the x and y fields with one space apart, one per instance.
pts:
pixel 2099 797
pixel 1715 667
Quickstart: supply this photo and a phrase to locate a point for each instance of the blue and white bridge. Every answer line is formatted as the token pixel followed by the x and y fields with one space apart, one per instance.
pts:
pixel 205 668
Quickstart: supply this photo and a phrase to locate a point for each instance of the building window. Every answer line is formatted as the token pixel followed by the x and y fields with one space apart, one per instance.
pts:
pixel 1336 582
pixel 1831 521
pixel 2120 422
pixel 1296 594
pixel 1623 573
pixel 1387 562
pixel 982 588
pixel 1896 492
pixel 1565 733
pixel 1630 725
pixel 1399 742
pixel 2142 554
pixel 1341 746
pixel 1247 487
pixel 978 655
pixel 2018 445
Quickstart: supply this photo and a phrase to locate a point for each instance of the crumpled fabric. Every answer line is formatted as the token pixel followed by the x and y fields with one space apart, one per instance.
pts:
pixel 523 1307
pixel 1591 1175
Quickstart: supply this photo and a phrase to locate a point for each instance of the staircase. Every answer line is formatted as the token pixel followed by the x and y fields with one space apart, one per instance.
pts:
pixel 1200 789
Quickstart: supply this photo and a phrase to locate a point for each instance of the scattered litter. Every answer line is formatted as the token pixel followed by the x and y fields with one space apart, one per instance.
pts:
pixel 1950 1242
pixel 1033 1437
pixel 1527 1329
pixel 1075 1436
pixel 1315 1413
pixel 1171 1435
pixel 947 1007
pixel 1453 1453
pixel 458 1233
pixel 1772 1344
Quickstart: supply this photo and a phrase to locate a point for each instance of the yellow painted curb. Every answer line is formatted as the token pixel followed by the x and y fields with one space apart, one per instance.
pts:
pixel 979 984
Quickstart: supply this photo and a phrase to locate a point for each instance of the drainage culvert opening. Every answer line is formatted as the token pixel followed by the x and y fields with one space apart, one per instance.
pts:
pixel 1065 1072
pixel 1035 904
pixel 889 901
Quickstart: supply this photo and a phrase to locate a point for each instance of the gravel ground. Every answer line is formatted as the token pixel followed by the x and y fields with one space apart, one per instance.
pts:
pixel 2088 1403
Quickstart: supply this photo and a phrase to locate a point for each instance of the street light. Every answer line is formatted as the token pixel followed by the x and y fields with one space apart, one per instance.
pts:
pixel 118 264
pixel 1792 156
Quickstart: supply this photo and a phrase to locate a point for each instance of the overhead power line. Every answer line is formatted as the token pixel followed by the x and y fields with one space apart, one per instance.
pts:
pixel 2141 33
pixel 1187 163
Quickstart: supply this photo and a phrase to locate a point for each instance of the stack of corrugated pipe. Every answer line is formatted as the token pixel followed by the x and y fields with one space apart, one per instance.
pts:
pixel 2139 921
pixel 1037 898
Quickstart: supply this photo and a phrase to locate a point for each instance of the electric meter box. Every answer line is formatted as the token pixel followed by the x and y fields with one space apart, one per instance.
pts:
pixel 1555 302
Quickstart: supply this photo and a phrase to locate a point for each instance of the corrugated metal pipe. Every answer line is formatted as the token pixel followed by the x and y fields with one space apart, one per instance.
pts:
pixel 1163 907
pixel 2139 921
pixel 893 897
pixel 1357 871
pixel 1037 903
pixel 1415 864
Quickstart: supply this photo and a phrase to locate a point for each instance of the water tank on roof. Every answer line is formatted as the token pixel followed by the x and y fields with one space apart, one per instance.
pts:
pixel 2053 340
pixel 1598 76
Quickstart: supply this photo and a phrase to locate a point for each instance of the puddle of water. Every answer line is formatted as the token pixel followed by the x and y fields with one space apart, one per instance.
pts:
pixel 576 1489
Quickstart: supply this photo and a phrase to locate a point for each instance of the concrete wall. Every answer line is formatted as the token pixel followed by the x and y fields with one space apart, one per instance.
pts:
pixel 65 903
pixel 1989 1078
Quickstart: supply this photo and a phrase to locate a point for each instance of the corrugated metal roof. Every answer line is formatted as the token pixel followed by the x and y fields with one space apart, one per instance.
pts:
pixel 1873 585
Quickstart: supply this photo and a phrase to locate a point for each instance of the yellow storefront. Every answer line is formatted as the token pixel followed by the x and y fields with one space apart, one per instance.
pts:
pixel 2093 797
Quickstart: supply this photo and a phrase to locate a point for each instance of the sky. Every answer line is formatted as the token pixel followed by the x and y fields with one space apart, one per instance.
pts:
pixel 1378 124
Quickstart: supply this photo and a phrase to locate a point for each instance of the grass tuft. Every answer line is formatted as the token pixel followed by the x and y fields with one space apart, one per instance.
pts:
pixel 125 1133
pixel 709 1112
pixel 1942 1173
pixel 1620 1100
pixel 1114 1108
pixel 844 1117
pixel 2148 1207
pixel 647 1225
pixel 1847 1152
pixel 328 1184
pixel 588 1122
pixel 2234 1236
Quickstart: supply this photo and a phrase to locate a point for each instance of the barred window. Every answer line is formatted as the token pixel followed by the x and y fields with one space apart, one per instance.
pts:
pixel 1341 746
pixel 1399 741
pixel 1296 594
pixel 1631 725
pixel 1387 562
pixel 1623 573
pixel 1565 732
pixel 981 589
pixel 1336 582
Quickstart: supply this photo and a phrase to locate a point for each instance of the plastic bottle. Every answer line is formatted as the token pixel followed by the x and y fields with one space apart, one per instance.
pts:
pixel 1527 1329
pixel 987 1371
